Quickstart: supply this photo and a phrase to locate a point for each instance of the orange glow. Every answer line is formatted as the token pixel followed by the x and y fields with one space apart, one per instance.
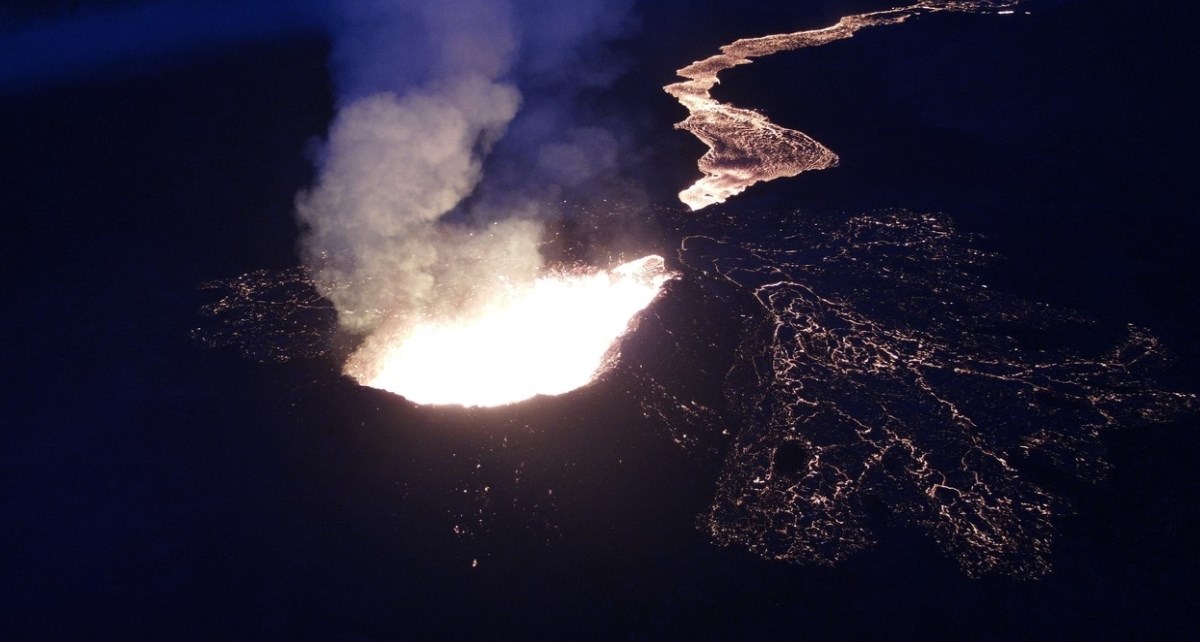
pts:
pixel 744 147
pixel 547 337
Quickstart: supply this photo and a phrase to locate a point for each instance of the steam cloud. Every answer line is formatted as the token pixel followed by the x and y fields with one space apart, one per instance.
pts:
pixel 460 127
pixel 401 224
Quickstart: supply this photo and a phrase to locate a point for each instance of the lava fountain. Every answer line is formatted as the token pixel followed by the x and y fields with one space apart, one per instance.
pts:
pixel 546 337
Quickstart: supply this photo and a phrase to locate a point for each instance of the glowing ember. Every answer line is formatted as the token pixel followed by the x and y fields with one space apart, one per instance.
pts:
pixel 548 337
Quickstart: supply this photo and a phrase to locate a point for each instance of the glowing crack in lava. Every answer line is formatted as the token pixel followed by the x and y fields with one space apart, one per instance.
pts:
pixel 744 147
pixel 546 337
pixel 883 383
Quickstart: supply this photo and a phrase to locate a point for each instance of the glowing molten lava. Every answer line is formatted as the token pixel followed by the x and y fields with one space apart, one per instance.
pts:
pixel 744 147
pixel 547 337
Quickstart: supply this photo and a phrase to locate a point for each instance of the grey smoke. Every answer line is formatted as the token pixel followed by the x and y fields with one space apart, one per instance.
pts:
pixel 459 123
pixel 435 175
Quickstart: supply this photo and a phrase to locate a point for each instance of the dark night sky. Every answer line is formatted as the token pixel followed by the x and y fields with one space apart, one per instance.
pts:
pixel 150 489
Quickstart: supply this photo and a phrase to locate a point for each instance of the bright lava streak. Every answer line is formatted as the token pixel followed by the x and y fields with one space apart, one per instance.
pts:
pixel 744 147
pixel 547 337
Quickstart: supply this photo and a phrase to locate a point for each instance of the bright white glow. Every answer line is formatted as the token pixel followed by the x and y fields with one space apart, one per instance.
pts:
pixel 547 337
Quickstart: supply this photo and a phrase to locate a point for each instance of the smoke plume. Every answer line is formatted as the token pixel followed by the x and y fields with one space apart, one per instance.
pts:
pixel 401 224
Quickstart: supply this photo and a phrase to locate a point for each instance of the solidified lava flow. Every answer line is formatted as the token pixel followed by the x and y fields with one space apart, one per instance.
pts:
pixel 887 384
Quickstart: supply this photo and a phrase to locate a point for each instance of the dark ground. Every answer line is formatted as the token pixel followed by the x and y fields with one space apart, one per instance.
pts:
pixel 153 490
